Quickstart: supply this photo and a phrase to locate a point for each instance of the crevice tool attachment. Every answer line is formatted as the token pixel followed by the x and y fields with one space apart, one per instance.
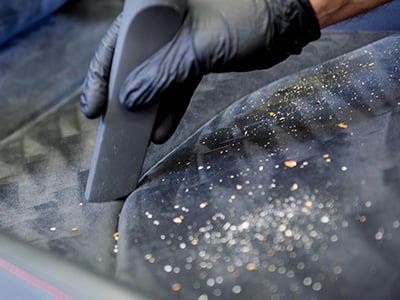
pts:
pixel 124 136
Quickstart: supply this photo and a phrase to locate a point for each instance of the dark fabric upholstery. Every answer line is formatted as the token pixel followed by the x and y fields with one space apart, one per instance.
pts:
pixel 217 91
pixel 290 193
pixel 47 64
pixel 18 15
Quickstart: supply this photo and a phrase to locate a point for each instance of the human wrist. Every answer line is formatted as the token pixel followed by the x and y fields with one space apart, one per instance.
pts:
pixel 330 12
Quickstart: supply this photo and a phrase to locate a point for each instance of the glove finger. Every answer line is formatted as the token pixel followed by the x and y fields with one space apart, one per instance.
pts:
pixel 172 108
pixel 95 88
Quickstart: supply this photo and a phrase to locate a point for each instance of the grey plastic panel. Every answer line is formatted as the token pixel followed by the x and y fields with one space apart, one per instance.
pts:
pixel 123 136
pixel 34 274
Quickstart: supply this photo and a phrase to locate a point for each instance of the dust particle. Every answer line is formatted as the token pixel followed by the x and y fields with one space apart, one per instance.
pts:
pixel 290 163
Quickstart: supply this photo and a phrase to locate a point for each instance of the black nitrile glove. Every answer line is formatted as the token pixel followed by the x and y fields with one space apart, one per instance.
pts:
pixel 216 36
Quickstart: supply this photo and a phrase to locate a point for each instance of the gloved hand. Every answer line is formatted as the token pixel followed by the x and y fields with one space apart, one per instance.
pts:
pixel 216 36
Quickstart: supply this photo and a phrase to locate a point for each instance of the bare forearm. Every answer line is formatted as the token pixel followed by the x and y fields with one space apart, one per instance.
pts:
pixel 332 11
